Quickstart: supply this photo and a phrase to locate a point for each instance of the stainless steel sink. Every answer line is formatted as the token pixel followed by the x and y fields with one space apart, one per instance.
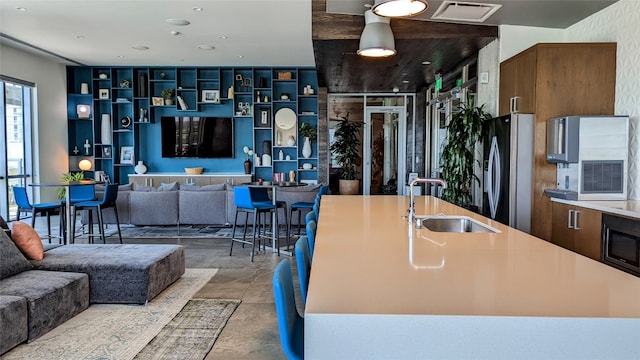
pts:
pixel 457 224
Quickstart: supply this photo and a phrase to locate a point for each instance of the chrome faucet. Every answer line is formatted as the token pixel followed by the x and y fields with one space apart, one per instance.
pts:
pixel 412 184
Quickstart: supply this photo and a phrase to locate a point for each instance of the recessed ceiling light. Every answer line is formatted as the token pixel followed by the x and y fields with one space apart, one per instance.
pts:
pixel 240 56
pixel 178 22
pixel 405 81
pixel 21 9
pixel 174 33
pixel 120 56
pixel 222 37
pixel 139 47
pixel 80 37
pixel 206 47
pixel 197 8
pixel 426 62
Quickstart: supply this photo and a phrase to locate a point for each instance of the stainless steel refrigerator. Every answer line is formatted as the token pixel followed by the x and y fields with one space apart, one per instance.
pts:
pixel 508 170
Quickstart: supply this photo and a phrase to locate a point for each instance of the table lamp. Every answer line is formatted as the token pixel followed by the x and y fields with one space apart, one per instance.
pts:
pixel 85 165
pixel 83 111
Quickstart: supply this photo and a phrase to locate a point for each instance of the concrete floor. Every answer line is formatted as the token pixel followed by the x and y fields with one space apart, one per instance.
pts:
pixel 252 330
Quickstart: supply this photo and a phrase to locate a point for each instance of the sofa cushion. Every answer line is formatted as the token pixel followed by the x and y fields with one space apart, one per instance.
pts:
pixel 53 297
pixel 4 227
pixel 215 187
pixel 14 328
pixel 143 188
pixel 27 240
pixel 128 273
pixel 210 209
pixel 154 208
pixel 11 259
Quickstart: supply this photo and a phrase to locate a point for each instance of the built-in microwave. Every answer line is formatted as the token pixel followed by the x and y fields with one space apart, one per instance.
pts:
pixel 621 243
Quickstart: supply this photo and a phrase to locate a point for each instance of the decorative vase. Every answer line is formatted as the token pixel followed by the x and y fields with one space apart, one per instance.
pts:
pixel 292 176
pixel 306 148
pixel 141 168
pixel 105 129
pixel 291 141
pixel 281 155
pixel 84 88
pixel 247 166
pixel 266 148
pixel 142 85
pixel 266 160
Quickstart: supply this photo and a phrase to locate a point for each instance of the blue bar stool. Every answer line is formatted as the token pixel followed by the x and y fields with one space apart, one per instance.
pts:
pixel 24 206
pixel 242 196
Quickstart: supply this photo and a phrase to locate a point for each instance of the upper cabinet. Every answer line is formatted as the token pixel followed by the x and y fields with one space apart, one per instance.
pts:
pixel 551 80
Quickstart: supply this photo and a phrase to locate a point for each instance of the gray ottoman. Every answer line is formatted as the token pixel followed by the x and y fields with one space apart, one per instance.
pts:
pixel 52 297
pixel 13 310
pixel 119 273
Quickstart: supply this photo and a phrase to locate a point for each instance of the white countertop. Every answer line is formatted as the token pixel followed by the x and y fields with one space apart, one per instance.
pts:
pixel 630 208
pixel 367 274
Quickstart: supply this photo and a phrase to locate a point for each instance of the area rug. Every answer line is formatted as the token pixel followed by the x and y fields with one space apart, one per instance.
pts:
pixel 114 331
pixel 192 333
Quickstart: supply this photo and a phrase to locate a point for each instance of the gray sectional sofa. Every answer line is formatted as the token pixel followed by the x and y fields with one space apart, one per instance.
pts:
pixel 176 204
pixel 37 296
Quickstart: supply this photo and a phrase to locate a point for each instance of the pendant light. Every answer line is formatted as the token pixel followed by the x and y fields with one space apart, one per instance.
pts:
pixel 398 8
pixel 377 38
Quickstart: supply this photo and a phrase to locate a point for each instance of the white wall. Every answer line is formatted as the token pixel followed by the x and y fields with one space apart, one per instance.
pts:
pixel 50 135
pixel 514 39
pixel 620 23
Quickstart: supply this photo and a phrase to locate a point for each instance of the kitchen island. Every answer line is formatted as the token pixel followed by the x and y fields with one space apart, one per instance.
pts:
pixel 377 293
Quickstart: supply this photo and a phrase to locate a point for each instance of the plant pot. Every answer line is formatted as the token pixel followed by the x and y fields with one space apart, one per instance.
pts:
pixel 349 187
pixel 168 101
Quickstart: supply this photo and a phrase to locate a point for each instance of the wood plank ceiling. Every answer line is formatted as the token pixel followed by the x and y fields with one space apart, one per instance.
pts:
pixel 336 39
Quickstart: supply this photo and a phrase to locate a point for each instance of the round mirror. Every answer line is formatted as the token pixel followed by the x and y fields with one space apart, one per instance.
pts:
pixel 285 118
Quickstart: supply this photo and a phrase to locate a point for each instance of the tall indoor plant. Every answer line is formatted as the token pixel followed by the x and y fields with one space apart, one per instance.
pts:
pixel 347 149
pixel 457 161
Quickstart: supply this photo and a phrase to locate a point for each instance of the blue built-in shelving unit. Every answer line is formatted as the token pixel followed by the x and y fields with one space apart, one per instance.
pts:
pixel 252 96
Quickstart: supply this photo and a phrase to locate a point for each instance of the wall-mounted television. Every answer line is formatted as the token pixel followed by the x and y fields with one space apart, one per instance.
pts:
pixel 197 137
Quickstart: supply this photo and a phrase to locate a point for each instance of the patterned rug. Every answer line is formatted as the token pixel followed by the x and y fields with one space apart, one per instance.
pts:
pixel 114 331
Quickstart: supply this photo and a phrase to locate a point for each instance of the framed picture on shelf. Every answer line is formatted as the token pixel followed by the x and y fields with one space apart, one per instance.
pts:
pixel 126 155
pixel 106 151
pixel 211 96
pixel 157 101
pixel 263 119
pixel 103 93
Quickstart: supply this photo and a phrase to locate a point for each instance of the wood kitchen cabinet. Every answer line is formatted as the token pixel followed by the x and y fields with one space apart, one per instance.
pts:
pixel 577 229
pixel 551 80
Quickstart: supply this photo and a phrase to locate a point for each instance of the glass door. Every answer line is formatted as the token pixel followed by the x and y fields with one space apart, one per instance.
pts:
pixel 384 146
pixel 15 161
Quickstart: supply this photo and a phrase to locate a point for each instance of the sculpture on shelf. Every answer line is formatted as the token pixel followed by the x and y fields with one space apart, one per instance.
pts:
pixel 87 147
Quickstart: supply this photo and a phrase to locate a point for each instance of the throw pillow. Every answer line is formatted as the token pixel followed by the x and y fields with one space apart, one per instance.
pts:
pixel 143 188
pixel 174 186
pixel 27 240
pixel 4 227
pixel 11 259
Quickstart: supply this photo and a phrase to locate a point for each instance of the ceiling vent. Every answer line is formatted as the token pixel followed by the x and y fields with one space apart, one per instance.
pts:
pixel 464 11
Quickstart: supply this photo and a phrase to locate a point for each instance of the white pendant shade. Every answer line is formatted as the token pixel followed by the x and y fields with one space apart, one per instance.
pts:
pixel 398 8
pixel 377 38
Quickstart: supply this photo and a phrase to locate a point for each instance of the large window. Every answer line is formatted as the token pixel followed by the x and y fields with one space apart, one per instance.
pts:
pixel 15 161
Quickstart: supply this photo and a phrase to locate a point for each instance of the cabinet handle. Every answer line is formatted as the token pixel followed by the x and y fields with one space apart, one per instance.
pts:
pixel 510 105
pixel 575 219
pixel 515 104
pixel 569 216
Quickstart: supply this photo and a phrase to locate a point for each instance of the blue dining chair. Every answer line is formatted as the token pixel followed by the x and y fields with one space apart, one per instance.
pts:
pixel 25 206
pixel 310 216
pixel 245 204
pixel 301 206
pixel 261 195
pixel 290 323
pixel 77 193
pixel 311 236
pixel 108 202
pixel 303 260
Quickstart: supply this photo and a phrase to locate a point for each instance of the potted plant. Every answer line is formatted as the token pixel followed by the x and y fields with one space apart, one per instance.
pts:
pixel 69 177
pixel 457 161
pixel 347 149
pixel 310 134
pixel 167 94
